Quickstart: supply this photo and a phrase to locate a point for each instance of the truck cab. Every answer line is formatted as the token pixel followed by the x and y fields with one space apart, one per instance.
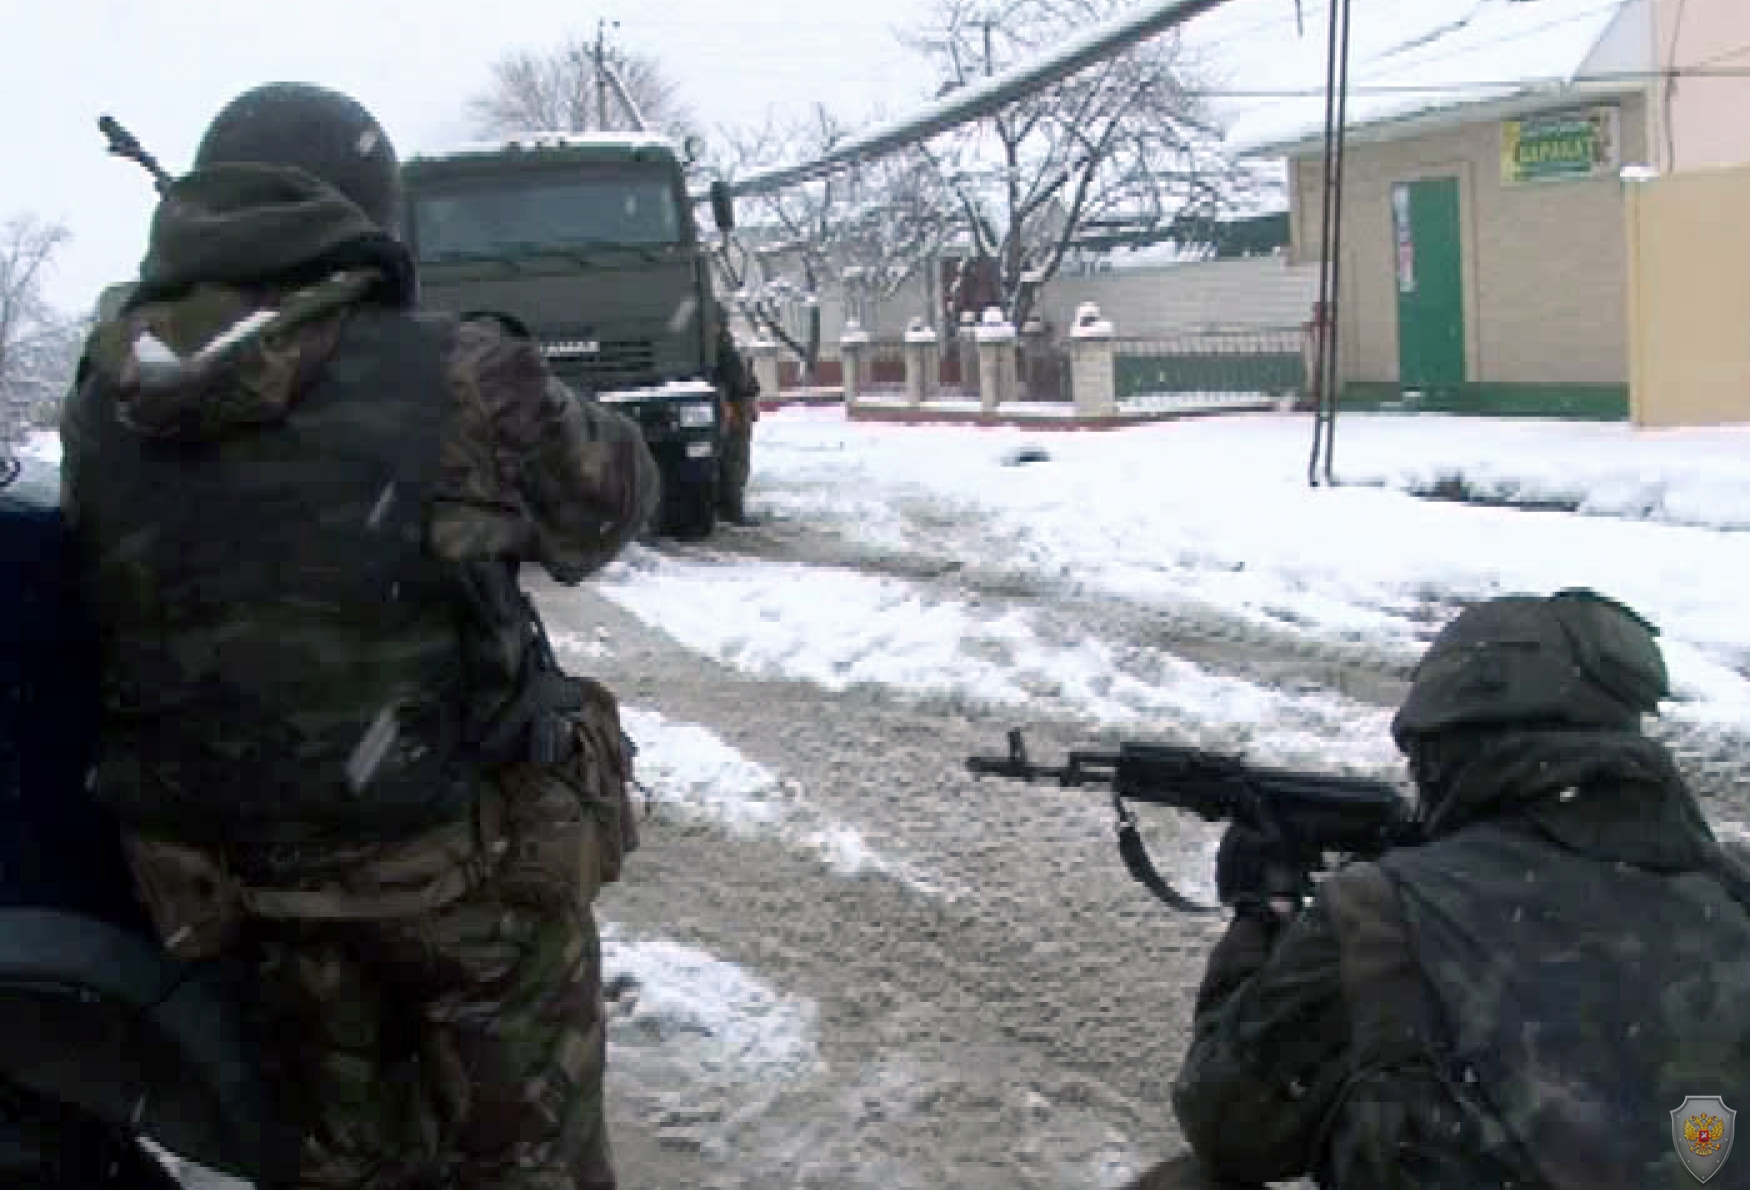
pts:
pixel 587 242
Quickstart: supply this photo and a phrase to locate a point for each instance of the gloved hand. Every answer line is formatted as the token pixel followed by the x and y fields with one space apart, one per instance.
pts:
pixel 1252 874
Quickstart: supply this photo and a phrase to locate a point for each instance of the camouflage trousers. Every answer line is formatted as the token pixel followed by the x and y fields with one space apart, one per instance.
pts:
pixel 432 1019
pixel 459 1049
pixel 736 463
pixel 430 1011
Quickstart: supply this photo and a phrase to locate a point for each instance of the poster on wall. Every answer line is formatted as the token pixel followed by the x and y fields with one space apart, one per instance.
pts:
pixel 1405 238
pixel 1552 146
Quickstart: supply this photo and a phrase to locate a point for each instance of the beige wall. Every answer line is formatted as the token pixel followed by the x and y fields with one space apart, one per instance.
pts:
pixel 1261 291
pixel 1688 248
pixel 1707 115
pixel 1543 262
pixel 1258 291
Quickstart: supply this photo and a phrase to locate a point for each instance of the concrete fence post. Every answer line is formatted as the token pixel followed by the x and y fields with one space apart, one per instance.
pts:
pixel 966 343
pixel 764 355
pixel 996 360
pixel 1093 381
pixel 854 359
pixel 922 362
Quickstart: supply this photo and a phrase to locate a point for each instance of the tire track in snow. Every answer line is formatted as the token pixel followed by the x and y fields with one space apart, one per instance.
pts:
pixel 842 628
pixel 688 769
pixel 1714 755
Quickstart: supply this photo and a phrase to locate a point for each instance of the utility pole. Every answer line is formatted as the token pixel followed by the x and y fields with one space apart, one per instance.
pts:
pixel 601 72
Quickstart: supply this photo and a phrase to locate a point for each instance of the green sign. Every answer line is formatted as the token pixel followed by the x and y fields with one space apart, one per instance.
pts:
pixel 1581 143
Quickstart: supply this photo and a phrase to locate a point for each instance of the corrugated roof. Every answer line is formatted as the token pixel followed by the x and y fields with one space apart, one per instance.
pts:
pixel 1416 57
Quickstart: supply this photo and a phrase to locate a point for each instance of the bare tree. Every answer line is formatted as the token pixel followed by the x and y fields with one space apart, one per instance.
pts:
pixel 865 231
pixel 1125 143
pixel 561 90
pixel 37 346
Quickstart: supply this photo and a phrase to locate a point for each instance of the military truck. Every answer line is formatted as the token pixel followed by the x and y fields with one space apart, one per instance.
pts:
pixel 588 243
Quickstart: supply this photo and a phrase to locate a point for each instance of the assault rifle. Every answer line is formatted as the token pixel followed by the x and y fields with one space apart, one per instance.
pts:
pixel 123 143
pixel 1303 815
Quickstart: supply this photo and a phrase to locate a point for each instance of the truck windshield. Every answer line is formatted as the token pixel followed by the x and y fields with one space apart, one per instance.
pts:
pixel 514 216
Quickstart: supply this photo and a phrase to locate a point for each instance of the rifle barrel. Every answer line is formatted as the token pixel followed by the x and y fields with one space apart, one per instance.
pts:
pixel 123 143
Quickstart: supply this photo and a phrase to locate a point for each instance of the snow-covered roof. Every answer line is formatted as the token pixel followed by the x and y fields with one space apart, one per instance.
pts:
pixel 1426 61
pixel 539 141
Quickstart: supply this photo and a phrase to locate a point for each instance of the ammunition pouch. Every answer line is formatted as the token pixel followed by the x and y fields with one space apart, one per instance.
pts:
pixel 569 821
pixel 199 901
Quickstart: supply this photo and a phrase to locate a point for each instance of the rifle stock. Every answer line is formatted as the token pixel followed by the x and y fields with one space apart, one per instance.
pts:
pixel 1303 815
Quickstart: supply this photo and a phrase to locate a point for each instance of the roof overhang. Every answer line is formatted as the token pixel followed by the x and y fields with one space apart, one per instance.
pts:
pixel 1518 101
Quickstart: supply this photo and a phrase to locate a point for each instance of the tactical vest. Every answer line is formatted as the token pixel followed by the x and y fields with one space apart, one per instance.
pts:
pixel 282 659
pixel 1543 1012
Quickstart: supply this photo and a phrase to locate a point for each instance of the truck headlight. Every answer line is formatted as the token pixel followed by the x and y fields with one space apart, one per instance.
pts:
pixel 697 413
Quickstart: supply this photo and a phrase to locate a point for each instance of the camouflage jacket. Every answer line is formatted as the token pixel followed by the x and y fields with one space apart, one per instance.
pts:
pixel 216 377
pixel 733 376
pixel 529 474
pixel 1409 1029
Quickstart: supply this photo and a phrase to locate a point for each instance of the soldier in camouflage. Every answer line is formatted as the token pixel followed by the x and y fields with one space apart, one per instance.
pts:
pixel 1522 999
pixel 741 391
pixel 328 726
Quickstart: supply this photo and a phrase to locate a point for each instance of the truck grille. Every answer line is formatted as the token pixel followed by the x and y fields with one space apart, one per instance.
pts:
pixel 620 363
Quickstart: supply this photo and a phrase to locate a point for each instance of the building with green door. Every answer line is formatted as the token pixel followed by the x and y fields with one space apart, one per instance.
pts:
pixel 1483 247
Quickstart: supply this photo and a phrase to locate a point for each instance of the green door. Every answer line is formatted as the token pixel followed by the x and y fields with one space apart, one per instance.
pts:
pixel 1430 283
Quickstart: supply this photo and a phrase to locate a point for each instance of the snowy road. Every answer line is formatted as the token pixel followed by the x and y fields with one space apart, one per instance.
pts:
pixel 864 967
pixel 840 960
pixel 859 966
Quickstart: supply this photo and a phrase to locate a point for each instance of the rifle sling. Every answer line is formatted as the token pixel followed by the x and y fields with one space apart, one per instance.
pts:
pixel 1136 858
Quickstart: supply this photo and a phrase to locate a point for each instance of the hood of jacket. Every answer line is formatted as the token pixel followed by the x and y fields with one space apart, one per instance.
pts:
pixel 1611 795
pixel 243 291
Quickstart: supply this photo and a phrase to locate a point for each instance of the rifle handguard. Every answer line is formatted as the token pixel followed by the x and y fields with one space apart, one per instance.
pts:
pixel 1307 814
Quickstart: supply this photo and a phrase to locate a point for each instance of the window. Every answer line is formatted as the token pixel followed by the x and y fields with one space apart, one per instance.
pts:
pixel 508 215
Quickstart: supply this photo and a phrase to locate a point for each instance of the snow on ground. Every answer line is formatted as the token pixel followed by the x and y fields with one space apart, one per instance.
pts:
pixel 687 767
pixel 579 646
pixel 841 628
pixel 718 1060
pixel 725 1024
pixel 41 444
pixel 1218 511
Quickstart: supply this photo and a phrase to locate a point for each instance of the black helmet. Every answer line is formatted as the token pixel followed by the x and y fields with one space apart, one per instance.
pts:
pixel 319 131
pixel 1575 658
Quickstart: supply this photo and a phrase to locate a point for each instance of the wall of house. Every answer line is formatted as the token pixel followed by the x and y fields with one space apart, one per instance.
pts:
pixel 1689 290
pixel 1543 263
pixel 1256 291
pixel 1253 292
pixel 1699 122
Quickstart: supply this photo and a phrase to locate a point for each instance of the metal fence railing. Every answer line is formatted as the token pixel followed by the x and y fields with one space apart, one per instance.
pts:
pixel 883 367
pixel 1268 361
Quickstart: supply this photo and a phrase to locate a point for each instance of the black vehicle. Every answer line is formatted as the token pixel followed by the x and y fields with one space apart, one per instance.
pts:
pixel 109 1047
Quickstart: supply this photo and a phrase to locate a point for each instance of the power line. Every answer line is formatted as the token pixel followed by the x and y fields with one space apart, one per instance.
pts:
pixel 1618 76
pixel 1418 60
pixel 987 96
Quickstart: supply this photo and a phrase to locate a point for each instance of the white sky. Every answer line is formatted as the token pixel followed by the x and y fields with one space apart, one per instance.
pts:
pixel 164 67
